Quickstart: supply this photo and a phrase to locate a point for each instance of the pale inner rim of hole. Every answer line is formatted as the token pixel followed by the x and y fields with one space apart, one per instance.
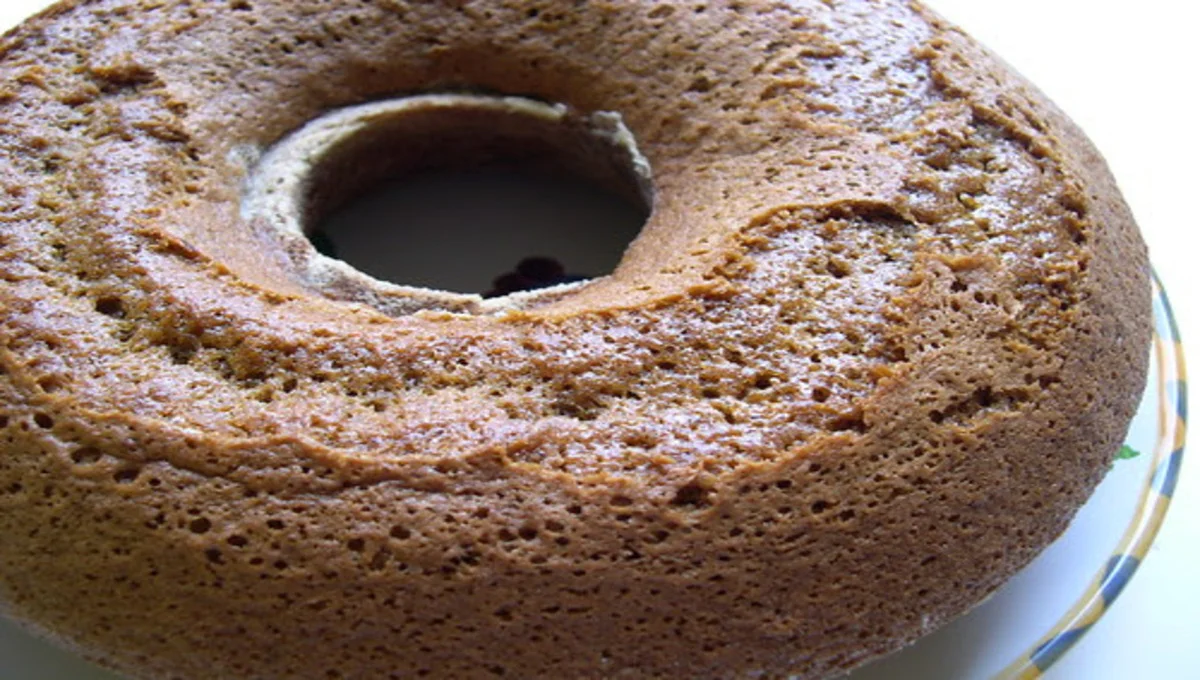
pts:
pixel 278 195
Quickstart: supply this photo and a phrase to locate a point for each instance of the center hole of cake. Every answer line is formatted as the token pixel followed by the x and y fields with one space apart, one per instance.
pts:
pixel 490 199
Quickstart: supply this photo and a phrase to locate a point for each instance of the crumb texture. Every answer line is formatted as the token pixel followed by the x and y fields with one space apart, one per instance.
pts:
pixel 879 339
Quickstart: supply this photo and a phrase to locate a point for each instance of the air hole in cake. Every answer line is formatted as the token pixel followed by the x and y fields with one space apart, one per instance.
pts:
pixel 471 194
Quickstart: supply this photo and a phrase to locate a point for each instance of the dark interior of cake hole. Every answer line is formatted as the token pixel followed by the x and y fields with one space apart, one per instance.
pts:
pixel 476 200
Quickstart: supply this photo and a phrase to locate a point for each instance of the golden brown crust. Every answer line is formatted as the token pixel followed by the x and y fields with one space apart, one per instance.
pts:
pixel 879 340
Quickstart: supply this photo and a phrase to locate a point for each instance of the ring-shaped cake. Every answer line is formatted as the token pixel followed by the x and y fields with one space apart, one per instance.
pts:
pixel 881 335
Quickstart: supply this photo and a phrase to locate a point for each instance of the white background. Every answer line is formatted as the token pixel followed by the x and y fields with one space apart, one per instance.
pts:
pixel 1127 72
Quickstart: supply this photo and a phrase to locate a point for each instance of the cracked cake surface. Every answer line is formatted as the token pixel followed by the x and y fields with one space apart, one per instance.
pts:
pixel 880 337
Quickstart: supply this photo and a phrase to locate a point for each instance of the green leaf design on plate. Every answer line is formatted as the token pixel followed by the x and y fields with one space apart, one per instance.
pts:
pixel 1127 452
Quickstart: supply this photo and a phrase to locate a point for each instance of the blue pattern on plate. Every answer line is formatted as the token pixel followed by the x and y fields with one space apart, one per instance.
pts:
pixel 1166 477
pixel 1053 649
pixel 1116 576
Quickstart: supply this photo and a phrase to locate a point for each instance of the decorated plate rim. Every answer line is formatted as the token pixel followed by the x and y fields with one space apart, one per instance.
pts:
pixel 1170 381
